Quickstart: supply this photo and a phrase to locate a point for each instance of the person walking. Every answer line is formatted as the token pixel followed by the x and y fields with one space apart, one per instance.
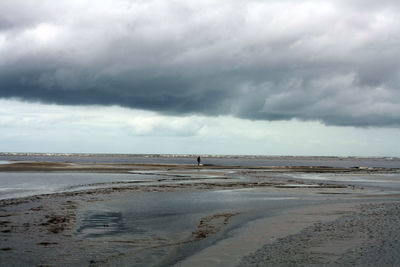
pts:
pixel 198 161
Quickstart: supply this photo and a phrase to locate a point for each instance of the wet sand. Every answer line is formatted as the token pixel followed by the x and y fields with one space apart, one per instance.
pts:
pixel 368 236
pixel 212 215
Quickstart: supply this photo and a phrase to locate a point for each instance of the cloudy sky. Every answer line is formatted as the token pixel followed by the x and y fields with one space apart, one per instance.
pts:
pixel 287 77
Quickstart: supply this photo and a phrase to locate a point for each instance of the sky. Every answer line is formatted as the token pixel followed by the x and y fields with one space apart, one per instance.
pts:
pixel 287 77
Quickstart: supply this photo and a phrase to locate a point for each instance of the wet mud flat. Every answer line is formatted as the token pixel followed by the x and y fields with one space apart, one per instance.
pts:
pixel 368 237
pixel 184 216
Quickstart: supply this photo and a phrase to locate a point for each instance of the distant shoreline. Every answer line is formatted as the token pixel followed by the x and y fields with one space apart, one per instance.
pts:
pixel 126 167
pixel 190 155
pixel 210 160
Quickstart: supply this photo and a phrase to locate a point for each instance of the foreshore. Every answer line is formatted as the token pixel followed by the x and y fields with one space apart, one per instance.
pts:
pixel 186 215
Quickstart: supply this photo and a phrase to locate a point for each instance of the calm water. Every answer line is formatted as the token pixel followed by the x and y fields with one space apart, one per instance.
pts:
pixel 171 217
pixel 162 218
pixel 248 161
pixel 21 184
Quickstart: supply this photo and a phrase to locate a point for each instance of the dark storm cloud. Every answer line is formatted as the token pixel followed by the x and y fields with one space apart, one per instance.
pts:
pixel 332 61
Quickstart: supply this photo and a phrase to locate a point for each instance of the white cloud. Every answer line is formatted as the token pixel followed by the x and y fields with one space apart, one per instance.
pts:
pixel 155 125
pixel 32 127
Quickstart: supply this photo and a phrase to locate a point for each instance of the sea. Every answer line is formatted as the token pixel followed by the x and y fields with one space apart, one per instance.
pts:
pixel 23 184
pixel 224 160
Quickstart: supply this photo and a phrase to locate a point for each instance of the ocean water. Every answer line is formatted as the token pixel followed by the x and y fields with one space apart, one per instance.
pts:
pixel 22 184
pixel 227 160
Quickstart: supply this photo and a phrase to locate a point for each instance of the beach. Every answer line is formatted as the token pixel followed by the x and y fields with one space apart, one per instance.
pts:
pixel 187 215
pixel 199 133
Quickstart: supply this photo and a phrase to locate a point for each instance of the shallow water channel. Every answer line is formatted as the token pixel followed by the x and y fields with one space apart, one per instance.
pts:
pixel 162 227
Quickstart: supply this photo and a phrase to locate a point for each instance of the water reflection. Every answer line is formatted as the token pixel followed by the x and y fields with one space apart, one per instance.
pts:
pixel 97 224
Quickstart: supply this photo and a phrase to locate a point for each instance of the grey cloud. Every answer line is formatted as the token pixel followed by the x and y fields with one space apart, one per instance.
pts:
pixel 262 60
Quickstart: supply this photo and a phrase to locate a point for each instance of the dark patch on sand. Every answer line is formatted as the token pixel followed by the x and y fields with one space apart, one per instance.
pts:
pixel 46 244
pixel 56 223
pixel 211 225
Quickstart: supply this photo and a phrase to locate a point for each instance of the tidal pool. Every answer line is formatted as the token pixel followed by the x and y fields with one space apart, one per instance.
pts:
pixel 167 224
